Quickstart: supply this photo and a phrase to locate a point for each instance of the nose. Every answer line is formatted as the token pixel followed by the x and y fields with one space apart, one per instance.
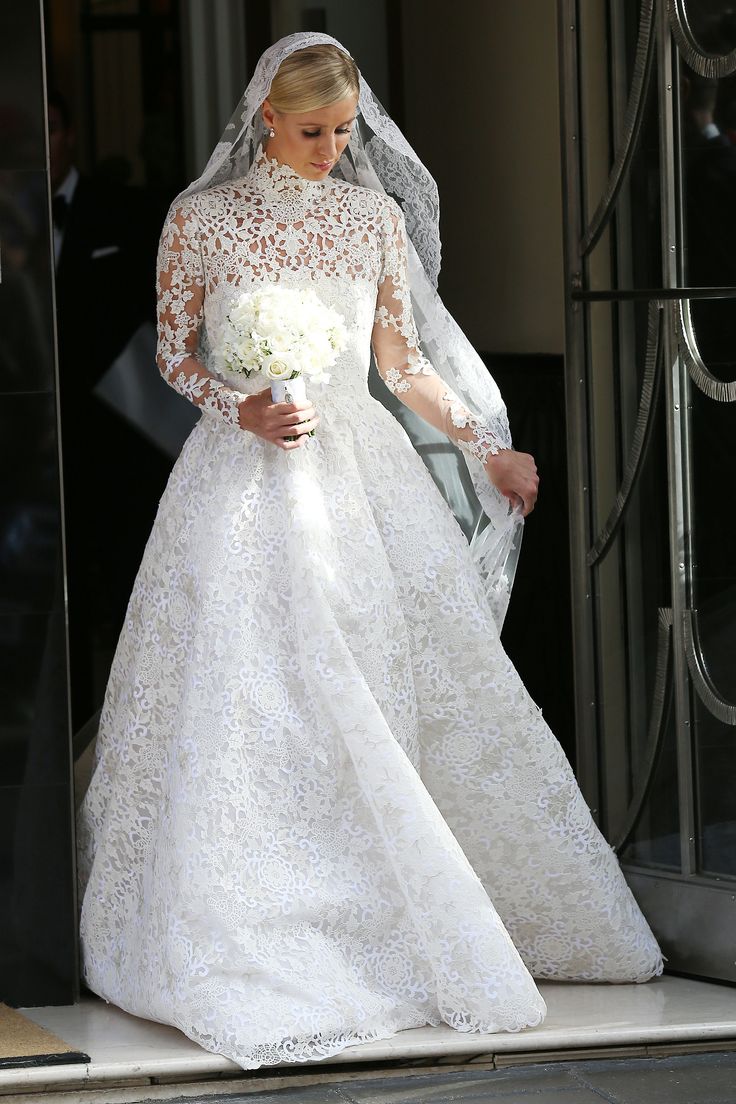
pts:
pixel 328 147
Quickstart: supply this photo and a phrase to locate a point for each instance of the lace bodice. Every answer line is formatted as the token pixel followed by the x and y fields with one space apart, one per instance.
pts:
pixel 348 242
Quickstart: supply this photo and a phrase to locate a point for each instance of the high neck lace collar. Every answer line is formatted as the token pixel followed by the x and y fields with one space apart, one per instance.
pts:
pixel 280 181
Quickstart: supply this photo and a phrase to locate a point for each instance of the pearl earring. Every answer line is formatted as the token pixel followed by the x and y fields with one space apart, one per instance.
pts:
pixel 271 132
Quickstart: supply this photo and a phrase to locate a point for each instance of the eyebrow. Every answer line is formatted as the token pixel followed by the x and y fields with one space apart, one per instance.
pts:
pixel 320 125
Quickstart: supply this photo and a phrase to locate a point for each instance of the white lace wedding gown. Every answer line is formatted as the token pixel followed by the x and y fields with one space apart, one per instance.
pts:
pixel 323 806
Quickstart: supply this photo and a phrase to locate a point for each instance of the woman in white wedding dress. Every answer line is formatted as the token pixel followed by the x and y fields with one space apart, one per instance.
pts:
pixel 323 806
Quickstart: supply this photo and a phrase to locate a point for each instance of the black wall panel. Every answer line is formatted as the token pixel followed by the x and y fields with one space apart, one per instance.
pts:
pixel 38 962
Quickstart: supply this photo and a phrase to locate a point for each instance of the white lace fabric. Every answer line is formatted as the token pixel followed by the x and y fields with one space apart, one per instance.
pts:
pixel 379 157
pixel 323 806
pixel 368 246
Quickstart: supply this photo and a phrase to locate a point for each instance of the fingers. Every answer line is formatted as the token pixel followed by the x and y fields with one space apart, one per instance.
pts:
pixel 300 416
pixel 515 476
pixel 282 409
pixel 308 426
pixel 528 485
pixel 276 421
pixel 282 415
pixel 529 496
pixel 297 428
pixel 525 506
pixel 301 431
pixel 287 446
pixel 295 419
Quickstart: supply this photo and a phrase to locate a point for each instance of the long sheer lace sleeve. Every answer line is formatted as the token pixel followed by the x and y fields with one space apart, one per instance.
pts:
pixel 400 362
pixel 180 290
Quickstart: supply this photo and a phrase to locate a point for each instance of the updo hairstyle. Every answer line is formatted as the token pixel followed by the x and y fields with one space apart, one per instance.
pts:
pixel 313 77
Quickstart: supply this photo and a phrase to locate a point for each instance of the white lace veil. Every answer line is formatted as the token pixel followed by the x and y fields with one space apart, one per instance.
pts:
pixel 379 157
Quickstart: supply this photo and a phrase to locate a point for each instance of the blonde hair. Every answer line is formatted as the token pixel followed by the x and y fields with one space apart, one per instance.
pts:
pixel 313 77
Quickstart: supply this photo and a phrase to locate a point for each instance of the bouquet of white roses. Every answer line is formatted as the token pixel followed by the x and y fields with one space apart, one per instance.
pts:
pixel 285 334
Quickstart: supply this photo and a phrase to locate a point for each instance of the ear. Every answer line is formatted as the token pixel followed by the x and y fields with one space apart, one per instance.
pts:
pixel 269 115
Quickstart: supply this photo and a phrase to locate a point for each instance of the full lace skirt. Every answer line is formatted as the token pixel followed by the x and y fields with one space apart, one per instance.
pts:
pixel 323 806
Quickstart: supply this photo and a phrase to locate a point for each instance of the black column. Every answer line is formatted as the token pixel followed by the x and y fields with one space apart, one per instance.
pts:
pixel 38 963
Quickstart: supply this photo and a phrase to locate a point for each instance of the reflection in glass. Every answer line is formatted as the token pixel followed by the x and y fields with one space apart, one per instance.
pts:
pixel 708 137
pixel 645 589
pixel 705 31
pixel 708 144
pixel 632 584
pixel 113 7
pixel 37 944
pixel 713 427
pixel 716 776
pixel 29 510
pixel 26 325
pixel 656 838
pixel 21 84
pixel 628 254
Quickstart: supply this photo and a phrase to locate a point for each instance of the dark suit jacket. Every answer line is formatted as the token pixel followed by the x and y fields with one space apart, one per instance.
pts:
pixel 104 280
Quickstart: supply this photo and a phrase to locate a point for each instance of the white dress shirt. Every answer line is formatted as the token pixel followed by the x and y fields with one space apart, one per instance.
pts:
pixel 67 189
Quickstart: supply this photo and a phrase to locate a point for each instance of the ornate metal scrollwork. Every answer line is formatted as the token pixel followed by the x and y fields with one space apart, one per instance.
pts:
pixel 705 688
pixel 642 71
pixel 719 390
pixel 707 65
pixel 655 730
pixel 642 432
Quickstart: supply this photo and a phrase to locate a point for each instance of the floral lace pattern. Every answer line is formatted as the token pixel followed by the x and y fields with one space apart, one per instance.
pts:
pixel 325 228
pixel 379 157
pixel 323 806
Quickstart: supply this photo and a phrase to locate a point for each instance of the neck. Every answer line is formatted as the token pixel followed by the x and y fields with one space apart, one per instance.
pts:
pixel 279 180
pixel 273 157
pixel 282 175
pixel 272 154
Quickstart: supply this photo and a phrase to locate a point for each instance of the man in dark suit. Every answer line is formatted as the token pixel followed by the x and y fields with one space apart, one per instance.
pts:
pixel 103 254
pixel 104 243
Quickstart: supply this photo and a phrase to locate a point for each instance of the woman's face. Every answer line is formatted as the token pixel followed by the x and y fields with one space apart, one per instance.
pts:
pixel 312 142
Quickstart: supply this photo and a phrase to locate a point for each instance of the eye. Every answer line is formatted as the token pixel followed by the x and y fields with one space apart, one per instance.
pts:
pixel 315 133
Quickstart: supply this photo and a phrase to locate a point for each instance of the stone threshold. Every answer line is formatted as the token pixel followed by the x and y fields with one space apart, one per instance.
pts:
pixel 133 1059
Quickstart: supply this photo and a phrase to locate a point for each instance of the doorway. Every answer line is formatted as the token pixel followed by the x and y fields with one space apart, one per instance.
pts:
pixel 649 138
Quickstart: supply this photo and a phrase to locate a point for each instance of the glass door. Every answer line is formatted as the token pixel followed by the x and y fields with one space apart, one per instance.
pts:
pixel 649 136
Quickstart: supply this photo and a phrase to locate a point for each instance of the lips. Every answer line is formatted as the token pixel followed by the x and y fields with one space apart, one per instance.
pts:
pixel 323 166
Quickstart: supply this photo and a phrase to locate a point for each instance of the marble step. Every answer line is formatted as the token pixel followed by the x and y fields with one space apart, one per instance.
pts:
pixel 134 1059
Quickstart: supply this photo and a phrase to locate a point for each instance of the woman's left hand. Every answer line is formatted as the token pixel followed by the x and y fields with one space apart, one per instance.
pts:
pixel 514 474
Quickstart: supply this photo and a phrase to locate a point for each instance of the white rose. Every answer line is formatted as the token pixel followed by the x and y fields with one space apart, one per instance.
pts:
pixel 280 366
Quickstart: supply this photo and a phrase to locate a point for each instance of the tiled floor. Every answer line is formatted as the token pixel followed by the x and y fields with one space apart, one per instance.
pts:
pixel 129 1053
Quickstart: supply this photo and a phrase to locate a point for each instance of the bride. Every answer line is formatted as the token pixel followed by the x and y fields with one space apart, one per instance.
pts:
pixel 323 806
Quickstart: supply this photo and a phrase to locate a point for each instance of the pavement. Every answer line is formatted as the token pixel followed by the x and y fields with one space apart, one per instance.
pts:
pixel 684 1079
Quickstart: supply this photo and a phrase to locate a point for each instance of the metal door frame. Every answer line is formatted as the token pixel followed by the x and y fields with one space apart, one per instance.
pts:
pixel 692 914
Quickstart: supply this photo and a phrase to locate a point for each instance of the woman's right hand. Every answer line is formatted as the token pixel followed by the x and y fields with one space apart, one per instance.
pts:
pixel 273 422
